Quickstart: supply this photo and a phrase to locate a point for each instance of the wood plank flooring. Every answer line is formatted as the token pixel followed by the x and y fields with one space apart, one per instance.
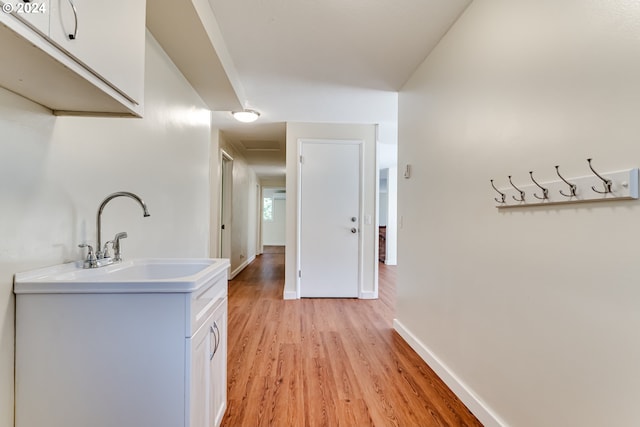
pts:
pixel 325 362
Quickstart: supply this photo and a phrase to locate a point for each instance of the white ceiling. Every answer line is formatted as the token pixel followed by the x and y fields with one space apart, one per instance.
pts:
pixel 336 61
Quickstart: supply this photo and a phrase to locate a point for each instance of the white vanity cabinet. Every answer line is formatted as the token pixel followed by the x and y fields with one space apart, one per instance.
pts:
pixel 131 357
pixel 208 390
pixel 80 57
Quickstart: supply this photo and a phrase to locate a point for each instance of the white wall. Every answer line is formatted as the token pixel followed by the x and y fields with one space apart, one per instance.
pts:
pixel 215 204
pixel 366 133
pixel 55 171
pixel 392 217
pixel 274 231
pixel 388 212
pixel 244 210
pixel 535 309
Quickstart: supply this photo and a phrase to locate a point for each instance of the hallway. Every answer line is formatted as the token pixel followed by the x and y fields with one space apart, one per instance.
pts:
pixel 325 362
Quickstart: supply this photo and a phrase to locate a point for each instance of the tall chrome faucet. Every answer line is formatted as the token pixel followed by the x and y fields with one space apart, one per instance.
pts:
pixel 101 256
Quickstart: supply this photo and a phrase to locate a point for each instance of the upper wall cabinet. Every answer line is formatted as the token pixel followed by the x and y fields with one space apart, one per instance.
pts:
pixel 36 14
pixel 75 56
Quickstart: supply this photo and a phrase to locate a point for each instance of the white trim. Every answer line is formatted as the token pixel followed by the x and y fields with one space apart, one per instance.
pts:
pixel 368 295
pixel 224 155
pixel 259 201
pixel 376 215
pixel 479 408
pixel 299 160
pixel 241 267
pixel 361 145
pixel 289 295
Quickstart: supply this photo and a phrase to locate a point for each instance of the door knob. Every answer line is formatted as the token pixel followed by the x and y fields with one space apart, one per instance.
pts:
pixel 354 219
pixel 354 230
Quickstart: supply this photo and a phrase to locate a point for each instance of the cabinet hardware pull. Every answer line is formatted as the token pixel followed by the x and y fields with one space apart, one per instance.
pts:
pixel 75 18
pixel 215 325
pixel 212 353
pixel 216 339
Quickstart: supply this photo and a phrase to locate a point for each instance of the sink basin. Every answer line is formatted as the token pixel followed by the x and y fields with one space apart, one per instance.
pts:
pixel 134 276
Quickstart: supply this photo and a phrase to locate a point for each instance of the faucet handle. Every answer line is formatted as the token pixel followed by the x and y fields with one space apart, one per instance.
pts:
pixel 91 261
pixel 86 245
pixel 117 255
pixel 105 250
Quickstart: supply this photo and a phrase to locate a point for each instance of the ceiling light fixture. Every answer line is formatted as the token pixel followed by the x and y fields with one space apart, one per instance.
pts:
pixel 246 115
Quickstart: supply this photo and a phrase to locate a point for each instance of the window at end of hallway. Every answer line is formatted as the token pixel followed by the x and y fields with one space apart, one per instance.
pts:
pixel 267 209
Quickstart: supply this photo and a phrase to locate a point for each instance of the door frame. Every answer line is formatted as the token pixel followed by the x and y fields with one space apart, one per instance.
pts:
pixel 226 191
pixel 361 146
pixel 261 205
pixel 259 202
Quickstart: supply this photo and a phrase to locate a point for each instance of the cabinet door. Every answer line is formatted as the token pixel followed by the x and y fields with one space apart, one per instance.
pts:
pixel 199 376
pixel 108 37
pixel 33 13
pixel 218 370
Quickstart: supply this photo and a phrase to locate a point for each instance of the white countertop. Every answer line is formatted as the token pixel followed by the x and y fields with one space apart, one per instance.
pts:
pixel 144 275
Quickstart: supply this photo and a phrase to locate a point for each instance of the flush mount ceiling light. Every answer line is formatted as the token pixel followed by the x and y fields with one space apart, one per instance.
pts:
pixel 246 116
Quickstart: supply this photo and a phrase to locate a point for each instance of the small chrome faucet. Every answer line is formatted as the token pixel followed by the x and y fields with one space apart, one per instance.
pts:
pixel 102 256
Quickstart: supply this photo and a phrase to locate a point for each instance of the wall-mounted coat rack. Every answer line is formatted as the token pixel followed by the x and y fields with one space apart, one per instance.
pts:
pixel 528 191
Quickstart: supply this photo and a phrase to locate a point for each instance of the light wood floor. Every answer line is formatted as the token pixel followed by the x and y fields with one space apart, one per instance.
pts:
pixel 325 362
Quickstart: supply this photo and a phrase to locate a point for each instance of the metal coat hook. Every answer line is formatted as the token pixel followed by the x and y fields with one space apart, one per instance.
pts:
pixel 572 187
pixel 521 199
pixel 545 191
pixel 607 182
pixel 502 195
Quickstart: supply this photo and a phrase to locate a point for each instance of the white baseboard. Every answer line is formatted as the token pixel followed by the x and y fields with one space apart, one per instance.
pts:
pixel 290 295
pixel 459 388
pixel 368 295
pixel 241 267
pixel 363 295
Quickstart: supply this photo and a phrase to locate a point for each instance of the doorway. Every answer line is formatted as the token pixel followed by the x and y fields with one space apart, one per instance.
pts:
pixel 226 188
pixel 273 219
pixel 330 210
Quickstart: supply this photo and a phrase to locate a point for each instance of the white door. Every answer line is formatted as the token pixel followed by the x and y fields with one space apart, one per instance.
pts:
pixel 329 227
